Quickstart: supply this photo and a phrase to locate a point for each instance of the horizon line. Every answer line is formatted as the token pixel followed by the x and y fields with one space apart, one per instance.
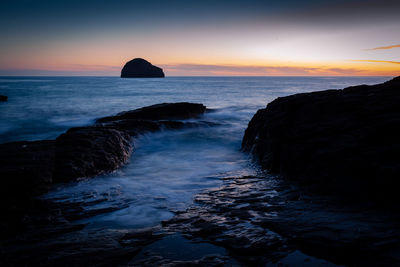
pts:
pixel 179 76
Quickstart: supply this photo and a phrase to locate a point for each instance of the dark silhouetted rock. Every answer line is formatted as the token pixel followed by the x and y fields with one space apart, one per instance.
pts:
pixel 29 168
pixel 135 127
pixel 267 218
pixel 26 168
pixel 164 111
pixel 338 141
pixel 140 68
pixel 3 98
pixel 88 151
pixel 25 172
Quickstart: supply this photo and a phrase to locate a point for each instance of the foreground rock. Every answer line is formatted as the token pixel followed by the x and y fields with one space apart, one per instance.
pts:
pixel 140 68
pixel 89 151
pixel 256 219
pixel 262 219
pixel 25 171
pixel 164 111
pixel 344 141
pixel 28 168
pixel 3 98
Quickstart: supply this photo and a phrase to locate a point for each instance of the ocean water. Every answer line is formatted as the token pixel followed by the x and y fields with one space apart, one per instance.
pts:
pixel 167 168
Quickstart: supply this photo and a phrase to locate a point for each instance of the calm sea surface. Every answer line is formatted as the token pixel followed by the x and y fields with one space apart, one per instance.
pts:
pixel 167 168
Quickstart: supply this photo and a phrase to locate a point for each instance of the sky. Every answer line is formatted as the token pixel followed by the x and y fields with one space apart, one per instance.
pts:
pixel 201 38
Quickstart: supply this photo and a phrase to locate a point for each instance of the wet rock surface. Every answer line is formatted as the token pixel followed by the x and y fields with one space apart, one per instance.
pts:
pixel 137 127
pixel 25 172
pixel 28 169
pixel 140 68
pixel 248 221
pixel 164 111
pixel 154 260
pixel 265 220
pixel 76 248
pixel 88 151
pixel 339 141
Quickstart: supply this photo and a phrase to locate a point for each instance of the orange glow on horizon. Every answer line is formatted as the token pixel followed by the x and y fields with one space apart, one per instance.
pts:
pixel 240 68
pixel 91 58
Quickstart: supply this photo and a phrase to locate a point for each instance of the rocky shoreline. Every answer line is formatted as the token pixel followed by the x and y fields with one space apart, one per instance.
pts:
pixel 308 218
pixel 265 219
pixel 86 151
pixel 336 142
pixel 256 219
pixel 29 168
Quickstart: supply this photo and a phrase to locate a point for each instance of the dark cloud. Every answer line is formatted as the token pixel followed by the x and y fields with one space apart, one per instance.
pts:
pixel 348 14
pixel 62 16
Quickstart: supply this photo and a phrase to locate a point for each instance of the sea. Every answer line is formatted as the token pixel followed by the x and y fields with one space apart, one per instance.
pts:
pixel 168 168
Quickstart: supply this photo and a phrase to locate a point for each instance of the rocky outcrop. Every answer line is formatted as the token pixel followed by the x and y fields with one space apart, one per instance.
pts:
pixel 136 127
pixel 89 151
pixel 338 141
pixel 164 111
pixel 140 68
pixel 265 218
pixel 29 168
pixel 26 168
pixel 3 98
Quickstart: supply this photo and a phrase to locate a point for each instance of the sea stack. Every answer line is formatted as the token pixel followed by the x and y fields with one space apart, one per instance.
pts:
pixel 3 98
pixel 140 68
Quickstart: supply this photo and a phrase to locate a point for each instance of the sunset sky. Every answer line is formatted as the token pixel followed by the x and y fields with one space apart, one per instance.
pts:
pixel 191 38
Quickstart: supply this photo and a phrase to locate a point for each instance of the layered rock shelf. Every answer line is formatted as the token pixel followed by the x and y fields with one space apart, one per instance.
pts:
pixel 337 141
pixel 28 168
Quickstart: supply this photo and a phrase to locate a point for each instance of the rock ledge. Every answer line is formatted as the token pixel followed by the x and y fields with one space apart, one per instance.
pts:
pixel 337 141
